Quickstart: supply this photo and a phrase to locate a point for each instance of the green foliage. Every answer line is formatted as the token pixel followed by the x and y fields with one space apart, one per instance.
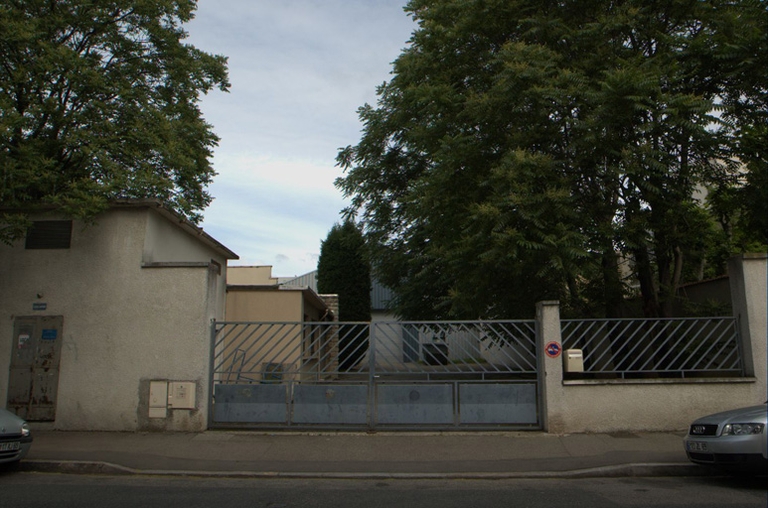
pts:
pixel 99 100
pixel 710 307
pixel 343 269
pixel 526 150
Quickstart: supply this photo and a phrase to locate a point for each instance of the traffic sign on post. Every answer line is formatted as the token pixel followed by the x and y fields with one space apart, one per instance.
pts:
pixel 553 349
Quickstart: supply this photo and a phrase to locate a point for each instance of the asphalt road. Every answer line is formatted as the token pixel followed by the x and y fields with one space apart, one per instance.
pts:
pixel 18 490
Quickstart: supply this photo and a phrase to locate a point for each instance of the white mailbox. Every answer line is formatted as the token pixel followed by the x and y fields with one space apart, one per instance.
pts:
pixel 573 360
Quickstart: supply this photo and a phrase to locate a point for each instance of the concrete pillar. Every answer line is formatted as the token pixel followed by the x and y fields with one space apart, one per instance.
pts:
pixel 331 350
pixel 550 369
pixel 747 274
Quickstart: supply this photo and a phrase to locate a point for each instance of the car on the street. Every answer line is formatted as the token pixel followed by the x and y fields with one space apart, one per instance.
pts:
pixel 735 439
pixel 15 437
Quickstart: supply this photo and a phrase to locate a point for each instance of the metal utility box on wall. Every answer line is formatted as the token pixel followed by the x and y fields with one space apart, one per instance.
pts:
pixel 573 360
pixel 158 399
pixel 181 395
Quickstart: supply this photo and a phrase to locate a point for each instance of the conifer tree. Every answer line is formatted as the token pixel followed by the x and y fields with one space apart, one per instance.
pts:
pixel 343 269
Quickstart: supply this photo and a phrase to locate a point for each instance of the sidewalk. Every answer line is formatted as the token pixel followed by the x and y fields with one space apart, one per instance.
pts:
pixel 359 455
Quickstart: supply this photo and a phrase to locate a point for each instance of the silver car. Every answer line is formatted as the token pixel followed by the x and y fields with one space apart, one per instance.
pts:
pixel 734 438
pixel 15 437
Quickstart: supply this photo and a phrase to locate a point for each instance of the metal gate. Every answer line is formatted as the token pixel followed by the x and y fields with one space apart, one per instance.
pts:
pixel 393 375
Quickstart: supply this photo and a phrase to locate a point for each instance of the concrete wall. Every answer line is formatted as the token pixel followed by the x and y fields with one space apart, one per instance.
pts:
pixel 251 276
pixel 748 276
pixel 659 405
pixel 125 322
pixel 389 340
pixel 264 305
pixel 291 306
pixel 163 242
pixel 701 297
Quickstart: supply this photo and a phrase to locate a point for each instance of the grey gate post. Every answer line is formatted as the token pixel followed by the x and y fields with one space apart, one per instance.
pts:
pixel 748 280
pixel 550 375
pixel 211 375
pixel 371 376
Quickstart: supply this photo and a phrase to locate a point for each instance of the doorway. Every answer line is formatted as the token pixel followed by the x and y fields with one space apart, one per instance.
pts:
pixel 34 377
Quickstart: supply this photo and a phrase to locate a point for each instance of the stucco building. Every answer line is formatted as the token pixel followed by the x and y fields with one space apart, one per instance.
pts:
pixel 106 326
pixel 254 295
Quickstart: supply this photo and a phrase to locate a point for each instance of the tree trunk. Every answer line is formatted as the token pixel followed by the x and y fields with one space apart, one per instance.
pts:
pixel 613 293
pixel 645 277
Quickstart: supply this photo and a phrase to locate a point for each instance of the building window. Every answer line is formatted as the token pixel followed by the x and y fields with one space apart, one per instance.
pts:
pixel 49 234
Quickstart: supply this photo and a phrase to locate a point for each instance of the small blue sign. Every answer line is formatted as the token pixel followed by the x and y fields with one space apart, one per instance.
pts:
pixel 50 334
pixel 39 306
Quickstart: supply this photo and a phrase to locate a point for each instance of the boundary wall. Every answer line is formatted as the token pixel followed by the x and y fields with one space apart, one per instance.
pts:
pixel 656 404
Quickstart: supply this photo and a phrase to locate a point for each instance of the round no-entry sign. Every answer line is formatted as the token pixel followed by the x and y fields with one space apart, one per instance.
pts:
pixel 553 349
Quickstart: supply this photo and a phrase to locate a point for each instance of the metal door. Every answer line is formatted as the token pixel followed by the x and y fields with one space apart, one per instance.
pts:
pixel 34 376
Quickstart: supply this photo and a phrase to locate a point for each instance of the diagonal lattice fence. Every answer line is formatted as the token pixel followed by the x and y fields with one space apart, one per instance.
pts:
pixel 469 374
pixel 246 352
pixel 680 347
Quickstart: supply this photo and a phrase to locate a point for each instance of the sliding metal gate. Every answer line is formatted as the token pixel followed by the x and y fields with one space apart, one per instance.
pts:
pixel 406 375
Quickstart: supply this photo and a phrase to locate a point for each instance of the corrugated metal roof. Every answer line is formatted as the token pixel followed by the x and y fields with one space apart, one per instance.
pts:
pixel 380 295
pixel 308 280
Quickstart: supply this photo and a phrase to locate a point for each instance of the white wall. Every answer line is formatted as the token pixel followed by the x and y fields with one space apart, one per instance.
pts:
pixel 660 405
pixel 124 324
pixel 251 276
pixel 165 242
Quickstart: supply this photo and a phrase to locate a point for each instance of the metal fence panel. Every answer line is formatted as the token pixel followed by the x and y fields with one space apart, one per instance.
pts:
pixel 340 404
pixel 250 403
pixel 369 374
pixel 671 346
pixel 498 403
pixel 446 347
pixel 417 404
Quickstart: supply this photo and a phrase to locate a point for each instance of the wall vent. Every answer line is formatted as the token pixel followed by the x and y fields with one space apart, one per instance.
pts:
pixel 49 234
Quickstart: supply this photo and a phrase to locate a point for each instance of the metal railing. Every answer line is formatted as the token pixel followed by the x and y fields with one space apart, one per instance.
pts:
pixel 247 352
pixel 673 347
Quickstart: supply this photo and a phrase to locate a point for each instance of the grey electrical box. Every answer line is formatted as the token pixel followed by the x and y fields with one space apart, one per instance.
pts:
pixel 158 399
pixel 573 360
pixel 181 395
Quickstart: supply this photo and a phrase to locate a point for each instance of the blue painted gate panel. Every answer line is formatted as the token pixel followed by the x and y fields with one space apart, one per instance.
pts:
pixel 427 374
pixel 331 404
pixel 414 404
pixel 250 403
pixel 497 403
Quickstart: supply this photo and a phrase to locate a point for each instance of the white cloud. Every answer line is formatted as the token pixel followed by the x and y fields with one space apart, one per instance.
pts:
pixel 299 70
pixel 274 211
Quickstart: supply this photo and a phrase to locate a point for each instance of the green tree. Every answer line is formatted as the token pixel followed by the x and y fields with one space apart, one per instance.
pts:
pixel 343 269
pixel 746 108
pixel 523 148
pixel 674 71
pixel 99 100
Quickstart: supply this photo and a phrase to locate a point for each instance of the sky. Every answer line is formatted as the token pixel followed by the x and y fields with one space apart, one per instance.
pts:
pixel 299 70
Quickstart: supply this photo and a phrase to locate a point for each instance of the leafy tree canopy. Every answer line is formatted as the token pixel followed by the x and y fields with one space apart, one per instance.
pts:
pixel 529 149
pixel 99 100
pixel 343 269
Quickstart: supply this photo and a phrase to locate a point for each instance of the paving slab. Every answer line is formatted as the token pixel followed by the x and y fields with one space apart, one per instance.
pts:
pixel 390 454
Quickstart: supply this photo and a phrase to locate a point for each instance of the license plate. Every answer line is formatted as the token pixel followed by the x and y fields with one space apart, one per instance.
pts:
pixel 9 447
pixel 697 446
